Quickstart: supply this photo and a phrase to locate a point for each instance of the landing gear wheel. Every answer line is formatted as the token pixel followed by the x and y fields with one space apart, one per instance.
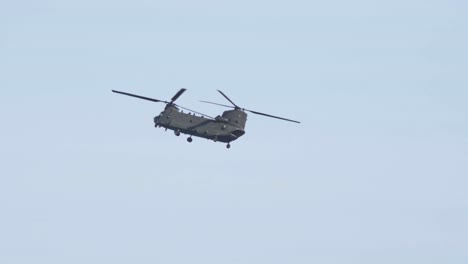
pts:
pixel 189 140
pixel 177 133
pixel 228 146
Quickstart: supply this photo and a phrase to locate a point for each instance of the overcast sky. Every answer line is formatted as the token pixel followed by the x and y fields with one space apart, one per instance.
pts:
pixel 376 173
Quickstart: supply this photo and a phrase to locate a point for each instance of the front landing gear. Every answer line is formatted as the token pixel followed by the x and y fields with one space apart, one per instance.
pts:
pixel 189 139
pixel 228 146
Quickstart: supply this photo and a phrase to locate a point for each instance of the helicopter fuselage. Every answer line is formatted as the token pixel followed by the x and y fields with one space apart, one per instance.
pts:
pixel 226 128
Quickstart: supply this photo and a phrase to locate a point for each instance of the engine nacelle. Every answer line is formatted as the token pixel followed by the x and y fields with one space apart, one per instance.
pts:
pixel 222 119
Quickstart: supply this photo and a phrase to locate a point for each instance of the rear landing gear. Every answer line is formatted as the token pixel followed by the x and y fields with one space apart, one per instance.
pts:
pixel 189 140
pixel 177 133
pixel 228 146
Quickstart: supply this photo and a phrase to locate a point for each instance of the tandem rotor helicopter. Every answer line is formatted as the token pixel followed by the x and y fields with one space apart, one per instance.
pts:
pixel 225 128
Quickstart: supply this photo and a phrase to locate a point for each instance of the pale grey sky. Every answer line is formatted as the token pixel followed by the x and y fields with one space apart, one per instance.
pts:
pixel 376 173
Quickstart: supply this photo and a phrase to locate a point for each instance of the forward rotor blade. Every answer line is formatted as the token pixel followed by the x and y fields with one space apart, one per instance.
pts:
pixel 194 111
pixel 141 97
pixel 225 96
pixel 230 106
pixel 277 117
pixel 178 94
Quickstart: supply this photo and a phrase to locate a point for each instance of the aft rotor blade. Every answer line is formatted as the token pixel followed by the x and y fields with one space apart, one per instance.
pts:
pixel 225 96
pixel 178 94
pixel 230 106
pixel 194 111
pixel 277 117
pixel 140 97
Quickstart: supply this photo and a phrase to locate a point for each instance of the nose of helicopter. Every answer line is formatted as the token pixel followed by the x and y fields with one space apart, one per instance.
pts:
pixel 156 120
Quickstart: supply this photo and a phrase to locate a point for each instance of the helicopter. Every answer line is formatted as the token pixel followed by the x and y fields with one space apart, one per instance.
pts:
pixel 225 128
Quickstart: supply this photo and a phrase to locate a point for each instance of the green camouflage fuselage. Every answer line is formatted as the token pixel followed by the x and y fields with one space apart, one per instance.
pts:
pixel 226 128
